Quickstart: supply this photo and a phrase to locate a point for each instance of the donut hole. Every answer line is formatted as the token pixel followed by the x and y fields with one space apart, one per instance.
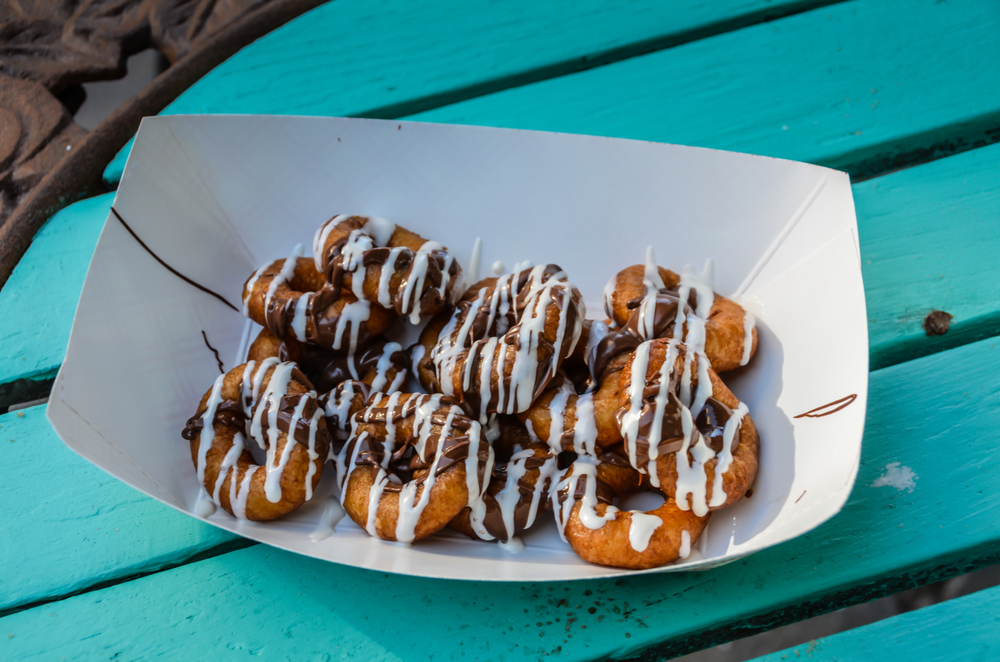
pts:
pixel 642 500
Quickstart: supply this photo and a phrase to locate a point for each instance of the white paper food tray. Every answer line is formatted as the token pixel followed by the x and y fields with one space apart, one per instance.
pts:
pixel 216 196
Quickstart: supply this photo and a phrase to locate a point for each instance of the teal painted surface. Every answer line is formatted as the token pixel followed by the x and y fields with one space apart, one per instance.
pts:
pixel 930 237
pixel 68 525
pixel 39 300
pixel 960 630
pixel 936 417
pixel 392 58
pixel 859 86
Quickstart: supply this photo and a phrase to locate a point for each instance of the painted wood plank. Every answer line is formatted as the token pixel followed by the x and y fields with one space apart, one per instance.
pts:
pixel 39 300
pixel 862 86
pixel 69 525
pixel 929 241
pixel 924 507
pixel 966 628
pixel 392 58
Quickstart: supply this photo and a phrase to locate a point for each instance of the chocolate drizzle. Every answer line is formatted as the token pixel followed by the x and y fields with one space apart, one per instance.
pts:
pixel 327 368
pixel 636 331
pixel 167 266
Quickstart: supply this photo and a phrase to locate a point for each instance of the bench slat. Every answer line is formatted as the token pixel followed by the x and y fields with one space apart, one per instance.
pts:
pixel 953 631
pixel 40 298
pixel 70 525
pixel 862 86
pixel 932 420
pixel 929 240
pixel 392 58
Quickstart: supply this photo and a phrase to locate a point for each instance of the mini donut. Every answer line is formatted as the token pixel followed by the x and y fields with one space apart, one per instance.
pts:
pixel 581 422
pixel 274 404
pixel 412 464
pixel 680 424
pixel 518 488
pixel 730 331
pixel 292 300
pixel 388 265
pixel 380 364
pixel 506 341
pixel 583 500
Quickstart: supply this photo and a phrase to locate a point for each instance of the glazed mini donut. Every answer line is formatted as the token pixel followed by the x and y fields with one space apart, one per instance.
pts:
pixel 506 341
pixel 382 365
pixel 412 464
pixel 386 264
pixel 643 302
pixel 581 422
pixel 291 299
pixel 274 404
pixel 583 500
pixel 684 429
pixel 518 489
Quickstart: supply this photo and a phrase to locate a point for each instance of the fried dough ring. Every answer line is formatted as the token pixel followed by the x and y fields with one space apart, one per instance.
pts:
pixel 588 422
pixel 725 330
pixel 298 303
pixel 275 398
pixel 506 341
pixel 621 539
pixel 380 364
pixel 412 449
pixel 387 265
pixel 736 479
pixel 518 489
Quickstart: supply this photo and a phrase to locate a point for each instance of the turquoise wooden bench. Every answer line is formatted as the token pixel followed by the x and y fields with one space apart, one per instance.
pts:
pixel 91 566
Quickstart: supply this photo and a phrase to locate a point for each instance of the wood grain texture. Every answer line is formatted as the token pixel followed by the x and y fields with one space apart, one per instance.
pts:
pixel 930 237
pixel 392 58
pixel 863 86
pixel 966 629
pixel 69 525
pixel 932 419
pixel 39 300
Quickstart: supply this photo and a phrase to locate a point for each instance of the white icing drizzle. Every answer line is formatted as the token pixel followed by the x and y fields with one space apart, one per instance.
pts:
pixel 584 440
pixel 351 317
pixel 204 506
pixel 508 498
pixel 382 368
pixel 641 529
pixel 513 546
pixel 497 268
pixel 685 550
pixel 333 512
pixel 283 276
pixel 299 318
pixel 255 404
pixel 319 239
pixel 598 330
pixel 692 479
pixel 651 280
pixel 748 325
pixel 477 256
pixel 583 467
pixel 250 284
pixel 725 456
pixel 609 298
pixel 379 229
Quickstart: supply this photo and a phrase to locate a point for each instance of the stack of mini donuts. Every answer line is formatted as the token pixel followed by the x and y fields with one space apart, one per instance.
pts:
pixel 527 405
